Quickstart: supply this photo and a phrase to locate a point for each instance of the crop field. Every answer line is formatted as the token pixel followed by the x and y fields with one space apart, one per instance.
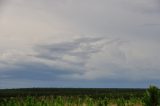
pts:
pixel 72 97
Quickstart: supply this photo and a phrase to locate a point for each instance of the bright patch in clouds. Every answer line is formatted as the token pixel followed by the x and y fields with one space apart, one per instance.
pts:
pixel 79 43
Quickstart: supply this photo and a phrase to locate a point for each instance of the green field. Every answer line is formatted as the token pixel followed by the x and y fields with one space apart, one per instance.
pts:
pixel 72 97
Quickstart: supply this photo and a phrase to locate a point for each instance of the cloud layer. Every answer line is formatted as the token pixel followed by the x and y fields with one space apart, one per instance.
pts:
pixel 68 43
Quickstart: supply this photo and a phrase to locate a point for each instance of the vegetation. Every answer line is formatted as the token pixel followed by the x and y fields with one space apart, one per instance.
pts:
pixel 91 92
pixel 152 97
pixel 65 101
pixel 79 97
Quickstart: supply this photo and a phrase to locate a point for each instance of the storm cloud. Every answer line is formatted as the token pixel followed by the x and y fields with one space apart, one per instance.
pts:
pixel 82 43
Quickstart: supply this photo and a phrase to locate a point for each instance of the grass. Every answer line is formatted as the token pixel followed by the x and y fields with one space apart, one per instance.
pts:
pixel 67 101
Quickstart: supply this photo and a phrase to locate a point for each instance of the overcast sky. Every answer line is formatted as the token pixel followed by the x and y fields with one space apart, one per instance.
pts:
pixel 79 43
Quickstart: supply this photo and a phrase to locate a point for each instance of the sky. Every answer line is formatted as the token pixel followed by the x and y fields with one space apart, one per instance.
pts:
pixel 79 43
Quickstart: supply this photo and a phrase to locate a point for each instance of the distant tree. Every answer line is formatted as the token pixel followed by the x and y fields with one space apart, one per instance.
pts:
pixel 152 96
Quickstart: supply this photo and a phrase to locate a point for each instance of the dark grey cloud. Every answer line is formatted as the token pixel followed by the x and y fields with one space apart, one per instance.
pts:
pixel 35 72
pixel 80 48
